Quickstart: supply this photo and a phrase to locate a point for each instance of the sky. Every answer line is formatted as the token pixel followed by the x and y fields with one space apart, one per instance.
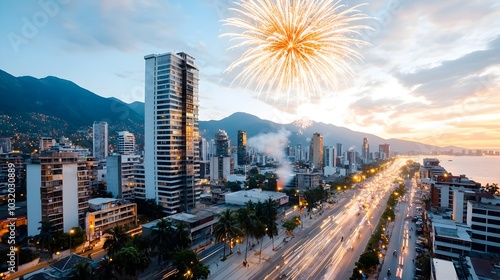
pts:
pixel 431 71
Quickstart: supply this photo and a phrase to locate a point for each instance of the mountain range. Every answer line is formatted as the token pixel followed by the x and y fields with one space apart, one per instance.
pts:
pixel 55 107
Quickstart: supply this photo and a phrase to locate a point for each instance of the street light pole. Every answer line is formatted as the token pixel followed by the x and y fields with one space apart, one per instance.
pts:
pixel 70 233
pixel 17 258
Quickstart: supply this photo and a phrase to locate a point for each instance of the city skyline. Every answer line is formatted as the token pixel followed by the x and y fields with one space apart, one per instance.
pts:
pixel 430 74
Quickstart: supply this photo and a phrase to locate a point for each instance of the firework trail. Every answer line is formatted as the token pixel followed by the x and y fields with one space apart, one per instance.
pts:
pixel 295 48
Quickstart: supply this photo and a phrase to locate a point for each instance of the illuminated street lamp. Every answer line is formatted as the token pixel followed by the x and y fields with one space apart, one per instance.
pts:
pixel 70 233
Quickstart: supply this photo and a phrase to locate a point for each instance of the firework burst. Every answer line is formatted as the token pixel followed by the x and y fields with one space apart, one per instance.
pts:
pixel 295 48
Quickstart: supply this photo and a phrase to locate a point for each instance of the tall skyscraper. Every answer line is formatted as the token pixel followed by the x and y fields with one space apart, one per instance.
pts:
pixel 330 161
pixel 384 151
pixel 5 146
pixel 316 151
pixel 222 144
pixel 126 143
pixel 242 147
pixel 204 150
pixel 365 151
pixel 171 159
pixel 100 140
pixel 299 153
pixel 339 149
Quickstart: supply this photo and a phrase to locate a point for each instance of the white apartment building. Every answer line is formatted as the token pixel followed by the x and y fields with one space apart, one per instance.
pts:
pixel 484 219
pixel 220 169
pixel 120 171
pixel 100 140
pixel 58 188
pixel 330 161
pixel 126 143
pixel 449 239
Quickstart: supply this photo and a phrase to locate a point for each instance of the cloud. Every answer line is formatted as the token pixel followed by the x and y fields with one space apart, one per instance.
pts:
pixel 451 70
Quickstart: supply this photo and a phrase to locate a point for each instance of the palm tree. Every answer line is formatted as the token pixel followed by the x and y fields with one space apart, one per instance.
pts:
pixel 162 236
pixel 105 271
pixel 226 228
pixel 128 262
pixel 270 211
pixel 83 271
pixel 117 240
pixel 182 235
pixel 46 232
pixel 248 223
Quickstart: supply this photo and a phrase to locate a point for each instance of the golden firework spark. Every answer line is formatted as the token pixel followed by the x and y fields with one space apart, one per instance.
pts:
pixel 295 47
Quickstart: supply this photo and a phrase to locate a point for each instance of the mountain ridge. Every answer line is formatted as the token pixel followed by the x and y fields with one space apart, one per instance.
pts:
pixel 57 107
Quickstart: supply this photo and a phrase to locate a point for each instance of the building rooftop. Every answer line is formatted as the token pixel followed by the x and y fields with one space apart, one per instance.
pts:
pixel 449 228
pixel 493 204
pixel 258 194
pixel 484 269
pixel 67 263
pixel 444 270
pixel 101 200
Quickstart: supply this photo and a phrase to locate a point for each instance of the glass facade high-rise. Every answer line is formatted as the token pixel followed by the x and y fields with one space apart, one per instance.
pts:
pixel 171 159
pixel 316 151
pixel 242 147
pixel 365 151
pixel 222 144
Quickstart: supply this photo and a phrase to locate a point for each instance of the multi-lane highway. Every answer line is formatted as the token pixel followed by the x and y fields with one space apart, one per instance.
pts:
pixel 331 245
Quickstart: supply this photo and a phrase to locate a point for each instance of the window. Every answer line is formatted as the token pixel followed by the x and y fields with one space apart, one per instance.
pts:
pixel 477 219
pixel 494 213
pixel 476 227
pixel 479 211
pixel 478 236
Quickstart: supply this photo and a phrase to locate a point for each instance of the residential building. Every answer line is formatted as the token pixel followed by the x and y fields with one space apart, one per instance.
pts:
pixel 100 140
pixel 5 145
pixel 449 239
pixel 242 147
pixel 126 143
pixel 204 150
pixel 58 189
pixel 443 187
pixel 139 181
pixel 430 169
pixel 171 161
pixel 384 151
pixel 316 151
pixel 106 213
pixel 484 219
pixel 46 143
pixel 220 169
pixel 120 171
pixel 222 144
pixel 330 161
pixel 339 149
pixel 6 162
pixel 306 180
